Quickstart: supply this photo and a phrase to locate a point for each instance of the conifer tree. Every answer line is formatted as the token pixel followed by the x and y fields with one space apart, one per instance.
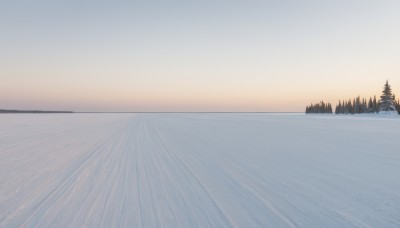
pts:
pixel 386 103
pixel 375 105
pixel 364 106
pixel 370 106
pixel 338 108
pixel 398 106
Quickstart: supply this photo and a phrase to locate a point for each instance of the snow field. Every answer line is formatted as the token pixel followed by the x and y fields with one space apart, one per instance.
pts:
pixel 199 170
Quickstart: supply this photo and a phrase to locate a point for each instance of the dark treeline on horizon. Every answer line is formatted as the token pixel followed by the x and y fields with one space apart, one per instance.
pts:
pixel 320 107
pixel 357 105
pixel 387 102
pixel 31 111
pixel 362 106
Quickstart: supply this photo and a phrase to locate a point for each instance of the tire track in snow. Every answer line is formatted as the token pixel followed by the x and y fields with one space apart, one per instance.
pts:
pixel 32 213
pixel 66 184
pixel 265 201
pixel 145 169
pixel 192 175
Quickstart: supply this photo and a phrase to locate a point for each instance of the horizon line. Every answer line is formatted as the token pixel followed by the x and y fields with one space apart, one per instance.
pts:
pixel 5 111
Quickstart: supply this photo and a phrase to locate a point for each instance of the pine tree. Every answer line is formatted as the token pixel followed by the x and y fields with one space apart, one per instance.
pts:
pixel 349 107
pixel 370 106
pixel 338 108
pixel 375 105
pixel 386 103
pixel 357 108
pixel 398 106
pixel 364 106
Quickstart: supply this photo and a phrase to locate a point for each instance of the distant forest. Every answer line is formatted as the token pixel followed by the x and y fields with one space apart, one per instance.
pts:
pixel 387 102
pixel 31 111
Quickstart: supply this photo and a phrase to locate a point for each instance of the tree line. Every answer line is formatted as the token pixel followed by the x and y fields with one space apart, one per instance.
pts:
pixel 320 107
pixel 387 102
pixel 358 105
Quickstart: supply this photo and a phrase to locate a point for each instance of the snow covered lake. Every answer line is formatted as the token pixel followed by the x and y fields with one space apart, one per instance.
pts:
pixel 199 170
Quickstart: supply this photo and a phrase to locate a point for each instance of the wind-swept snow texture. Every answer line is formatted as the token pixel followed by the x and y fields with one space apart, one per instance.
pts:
pixel 199 170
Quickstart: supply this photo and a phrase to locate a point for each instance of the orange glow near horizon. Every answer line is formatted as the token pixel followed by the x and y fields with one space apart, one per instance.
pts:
pixel 122 98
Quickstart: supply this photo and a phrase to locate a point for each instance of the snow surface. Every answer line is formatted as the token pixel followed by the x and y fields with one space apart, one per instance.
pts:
pixel 389 113
pixel 199 170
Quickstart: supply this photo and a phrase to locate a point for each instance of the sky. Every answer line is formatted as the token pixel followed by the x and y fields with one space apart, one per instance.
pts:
pixel 204 55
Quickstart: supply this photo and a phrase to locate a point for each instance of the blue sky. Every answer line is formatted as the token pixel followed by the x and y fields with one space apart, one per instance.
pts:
pixel 195 55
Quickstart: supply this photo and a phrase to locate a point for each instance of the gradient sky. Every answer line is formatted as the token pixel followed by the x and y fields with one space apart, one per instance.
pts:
pixel 204 55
